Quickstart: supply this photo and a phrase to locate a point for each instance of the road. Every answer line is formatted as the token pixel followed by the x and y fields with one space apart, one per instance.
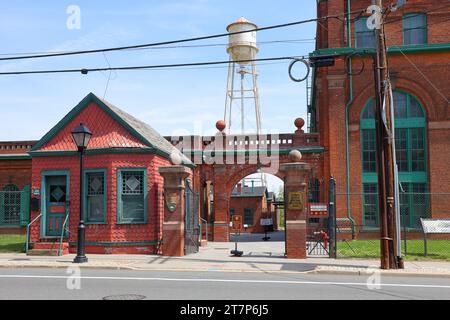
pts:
pixel 96 284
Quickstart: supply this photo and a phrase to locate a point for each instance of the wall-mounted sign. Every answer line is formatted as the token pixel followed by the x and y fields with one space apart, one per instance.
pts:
pixel 172 201
pixel 296 200
pixel 318 209
pixel 36 192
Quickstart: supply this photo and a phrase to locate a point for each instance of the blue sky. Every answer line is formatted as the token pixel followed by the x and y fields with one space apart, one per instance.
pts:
pixel 182 100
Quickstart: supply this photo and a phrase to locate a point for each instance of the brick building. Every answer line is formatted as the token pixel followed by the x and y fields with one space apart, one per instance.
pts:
pixel 15 177
pixel 123 199
pixel 341 108
pixel 252 203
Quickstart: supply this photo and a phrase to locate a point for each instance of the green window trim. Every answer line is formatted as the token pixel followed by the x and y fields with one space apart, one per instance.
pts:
pixel 10 200
pixel 248 217
pixel 410 120
pixel 422 27
pixel 86 215
pixel 370 199
pixel 120 214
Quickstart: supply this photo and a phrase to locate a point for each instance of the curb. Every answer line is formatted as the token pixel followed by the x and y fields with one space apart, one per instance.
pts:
pixel 36 266
pixel 384 273
pixel 356 272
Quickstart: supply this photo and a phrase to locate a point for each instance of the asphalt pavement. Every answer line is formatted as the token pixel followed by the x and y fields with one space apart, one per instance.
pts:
pixel 98 284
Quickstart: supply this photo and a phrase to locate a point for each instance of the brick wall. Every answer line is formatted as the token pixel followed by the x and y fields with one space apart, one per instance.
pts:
pixel 110 232
pixel 258 205
pixel 332 95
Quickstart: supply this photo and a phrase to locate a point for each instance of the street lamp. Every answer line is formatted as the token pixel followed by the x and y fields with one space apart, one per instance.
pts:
pixel 81 135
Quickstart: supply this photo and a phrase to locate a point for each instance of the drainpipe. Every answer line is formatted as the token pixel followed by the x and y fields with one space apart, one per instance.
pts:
pixel 347 108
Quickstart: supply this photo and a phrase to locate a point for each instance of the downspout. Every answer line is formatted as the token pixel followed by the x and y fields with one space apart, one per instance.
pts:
pixel 347 108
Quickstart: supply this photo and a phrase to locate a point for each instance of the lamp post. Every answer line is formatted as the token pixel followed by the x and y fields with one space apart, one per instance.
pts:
pixel 81 135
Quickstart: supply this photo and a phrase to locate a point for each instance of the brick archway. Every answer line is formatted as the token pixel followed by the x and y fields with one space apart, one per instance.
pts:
pixel 237 156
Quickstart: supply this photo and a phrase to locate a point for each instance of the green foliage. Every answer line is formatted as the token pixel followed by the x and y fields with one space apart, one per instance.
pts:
pixel 12 243
pixel 370 249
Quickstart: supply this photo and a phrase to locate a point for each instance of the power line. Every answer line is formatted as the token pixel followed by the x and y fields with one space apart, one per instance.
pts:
pixel 284 25
pixel 290 41
pixel 131 68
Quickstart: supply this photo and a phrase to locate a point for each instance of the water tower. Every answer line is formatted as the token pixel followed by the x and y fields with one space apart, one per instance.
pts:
pixel 242 49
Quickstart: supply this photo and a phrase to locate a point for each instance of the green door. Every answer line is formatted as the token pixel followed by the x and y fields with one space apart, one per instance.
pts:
pixel 56 205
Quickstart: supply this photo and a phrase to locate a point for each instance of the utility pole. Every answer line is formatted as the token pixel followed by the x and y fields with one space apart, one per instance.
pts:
pixel 385 134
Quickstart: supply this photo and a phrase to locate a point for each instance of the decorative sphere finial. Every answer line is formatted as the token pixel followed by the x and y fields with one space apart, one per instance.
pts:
pixel 175 158
pixel 221 125
pixel 295 156
pixel 299 123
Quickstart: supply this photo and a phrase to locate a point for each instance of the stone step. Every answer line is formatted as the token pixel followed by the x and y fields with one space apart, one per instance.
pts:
pixel 43 252
pixel 48 249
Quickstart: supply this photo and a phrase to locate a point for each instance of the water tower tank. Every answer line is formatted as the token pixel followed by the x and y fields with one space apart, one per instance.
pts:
pixel 242 46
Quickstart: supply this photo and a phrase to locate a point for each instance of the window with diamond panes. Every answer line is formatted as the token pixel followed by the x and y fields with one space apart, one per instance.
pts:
pixel 95 197
pixel 132 198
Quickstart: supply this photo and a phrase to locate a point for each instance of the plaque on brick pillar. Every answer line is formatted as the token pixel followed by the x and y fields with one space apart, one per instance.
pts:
pixel 173 225
pixel 296 177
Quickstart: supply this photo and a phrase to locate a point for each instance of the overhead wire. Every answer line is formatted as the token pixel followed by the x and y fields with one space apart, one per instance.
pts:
pixel 155 44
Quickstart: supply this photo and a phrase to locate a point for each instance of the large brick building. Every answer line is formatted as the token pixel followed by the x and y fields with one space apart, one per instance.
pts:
pixel 418 40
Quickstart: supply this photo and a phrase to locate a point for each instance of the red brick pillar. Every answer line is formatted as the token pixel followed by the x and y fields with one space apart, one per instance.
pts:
pixel 173 223
pixel 296 177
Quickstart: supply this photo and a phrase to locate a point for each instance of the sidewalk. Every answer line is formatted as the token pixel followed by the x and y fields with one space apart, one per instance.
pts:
pixel 266 257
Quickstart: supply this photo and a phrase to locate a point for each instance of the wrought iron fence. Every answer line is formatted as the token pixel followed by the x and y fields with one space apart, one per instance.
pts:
pixel 358 228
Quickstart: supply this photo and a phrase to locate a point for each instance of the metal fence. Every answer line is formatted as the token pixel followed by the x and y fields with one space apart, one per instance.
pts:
pixel 14 208
pixel 358 229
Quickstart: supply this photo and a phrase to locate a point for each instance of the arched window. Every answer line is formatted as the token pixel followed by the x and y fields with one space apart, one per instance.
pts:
pixel 10 211
pixel 411 150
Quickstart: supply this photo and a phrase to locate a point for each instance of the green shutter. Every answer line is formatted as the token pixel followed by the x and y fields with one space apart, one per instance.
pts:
pixel 25 197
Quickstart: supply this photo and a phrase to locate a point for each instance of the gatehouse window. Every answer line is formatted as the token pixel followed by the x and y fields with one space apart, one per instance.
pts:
pixel 132 196
pixel 411 155
pixel 10 205
pixel 95 196
pixel 248 217
pixel 415 28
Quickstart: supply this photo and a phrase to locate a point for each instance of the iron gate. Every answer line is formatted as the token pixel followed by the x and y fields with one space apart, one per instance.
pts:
pixel 317 240
pixel 191 223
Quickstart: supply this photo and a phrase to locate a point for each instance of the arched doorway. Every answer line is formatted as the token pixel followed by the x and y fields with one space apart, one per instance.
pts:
pixel 258 199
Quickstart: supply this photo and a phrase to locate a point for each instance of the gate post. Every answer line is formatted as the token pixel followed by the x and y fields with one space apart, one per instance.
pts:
pixel 332 218
pixel 174 206
pixel 296 188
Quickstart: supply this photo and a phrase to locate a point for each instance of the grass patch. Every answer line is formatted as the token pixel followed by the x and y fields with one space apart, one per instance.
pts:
pixel 12 243
pixel 437 249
